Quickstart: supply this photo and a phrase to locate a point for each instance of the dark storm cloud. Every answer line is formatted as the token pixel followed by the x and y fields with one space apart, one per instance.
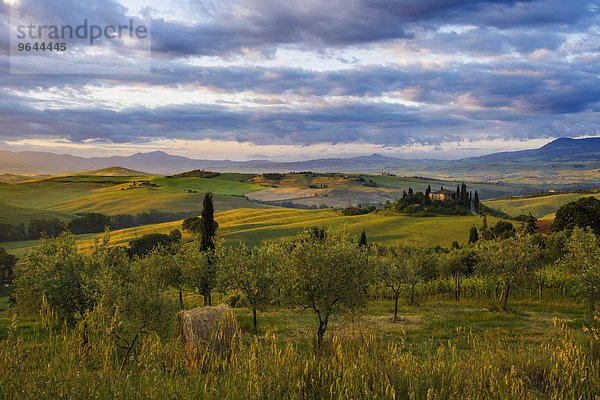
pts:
pixel 263 25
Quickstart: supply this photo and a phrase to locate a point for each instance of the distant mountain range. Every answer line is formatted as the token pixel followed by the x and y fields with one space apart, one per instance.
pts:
pixel 158 162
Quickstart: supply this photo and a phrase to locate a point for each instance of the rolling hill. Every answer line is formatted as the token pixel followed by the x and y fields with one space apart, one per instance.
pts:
pixel 63 197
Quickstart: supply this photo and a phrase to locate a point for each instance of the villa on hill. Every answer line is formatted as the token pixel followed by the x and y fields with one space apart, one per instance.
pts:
pixel 443 194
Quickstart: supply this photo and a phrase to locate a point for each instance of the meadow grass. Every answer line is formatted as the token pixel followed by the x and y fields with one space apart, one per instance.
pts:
pixel 437 350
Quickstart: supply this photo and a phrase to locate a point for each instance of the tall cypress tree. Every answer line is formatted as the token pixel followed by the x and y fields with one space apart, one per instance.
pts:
pixel 410 191
pixel 476 202
pixel 463 195
pixel 428 191
pixel 457 193
pixel 208 225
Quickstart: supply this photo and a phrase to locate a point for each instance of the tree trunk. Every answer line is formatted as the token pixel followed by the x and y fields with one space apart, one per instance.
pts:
pixel 506 297
pixel 180 300
pixel 396 305
pixel 129 350
pixel 457 278
pixel 541 286
pixel 412 294
pixel 254 319
pixel 321 330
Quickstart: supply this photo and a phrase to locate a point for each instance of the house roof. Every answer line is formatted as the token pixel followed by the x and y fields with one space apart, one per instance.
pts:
pixel 444 191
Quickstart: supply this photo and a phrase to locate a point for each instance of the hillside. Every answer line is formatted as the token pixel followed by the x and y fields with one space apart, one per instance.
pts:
pixel 64 196
pixel 256 225
pixel 541 207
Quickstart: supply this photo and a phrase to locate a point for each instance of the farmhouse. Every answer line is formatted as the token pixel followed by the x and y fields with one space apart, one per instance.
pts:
pixel 443 194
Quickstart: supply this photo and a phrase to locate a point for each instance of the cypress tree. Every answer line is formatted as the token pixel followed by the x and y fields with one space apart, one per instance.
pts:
pixel 363 239
pixel 457 198
pixel 473 235
pixel 403 193
pixel 476 202
pixel 410 191
pixel 428 194
pixel 208 225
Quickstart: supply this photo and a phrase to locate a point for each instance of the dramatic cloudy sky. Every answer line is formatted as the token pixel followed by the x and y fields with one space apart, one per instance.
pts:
pixel 243 79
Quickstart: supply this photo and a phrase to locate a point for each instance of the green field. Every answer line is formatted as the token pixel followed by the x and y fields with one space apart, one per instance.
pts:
pixel 62 197
pixel 541 207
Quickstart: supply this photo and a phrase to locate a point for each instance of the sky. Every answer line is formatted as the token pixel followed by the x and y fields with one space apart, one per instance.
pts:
pixel 293 80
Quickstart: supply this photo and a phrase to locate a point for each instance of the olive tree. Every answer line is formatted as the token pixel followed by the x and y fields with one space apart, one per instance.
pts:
pixel 326 274
pixel 253 272
pixel 57 272
pixel 583 261
pixel 458 263
pixel 420 263
pixel 511 262
pixel 391 272
pixel 131 296
pixel 199 270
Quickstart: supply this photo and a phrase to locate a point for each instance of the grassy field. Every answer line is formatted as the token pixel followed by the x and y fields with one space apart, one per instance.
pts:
pixel 541 207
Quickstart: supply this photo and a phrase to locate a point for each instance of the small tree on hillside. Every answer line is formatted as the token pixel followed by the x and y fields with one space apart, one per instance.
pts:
pixel 326 276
